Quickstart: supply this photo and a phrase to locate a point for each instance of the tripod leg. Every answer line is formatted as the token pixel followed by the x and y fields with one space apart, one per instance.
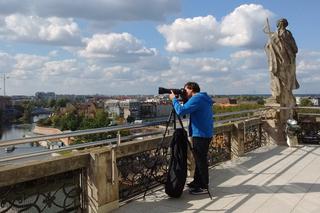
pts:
pixel 172 113
pixel 209 194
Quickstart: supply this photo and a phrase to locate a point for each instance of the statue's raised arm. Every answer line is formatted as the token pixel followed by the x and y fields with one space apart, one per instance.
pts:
pixel 267 29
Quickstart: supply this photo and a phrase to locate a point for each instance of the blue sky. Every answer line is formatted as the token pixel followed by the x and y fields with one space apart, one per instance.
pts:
pixel 134 46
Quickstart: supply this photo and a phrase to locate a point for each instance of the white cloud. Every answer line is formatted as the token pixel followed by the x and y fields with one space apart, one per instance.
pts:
pixel 60 68
pixel 207 66
pixel 241 28
pixel 115 47
pixel 221 76
pixel 6 62
pixel 308 61
pixel 308 75
pixel 249 59
pixel 215 75
pixel 53 53
pixel 55 31
pixel 308 65
pixel 191 35
pixel 120 63
pixel 27 66
pixel 118 73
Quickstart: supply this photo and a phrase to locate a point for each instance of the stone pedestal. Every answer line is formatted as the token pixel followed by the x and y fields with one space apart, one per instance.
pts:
pixel 275 123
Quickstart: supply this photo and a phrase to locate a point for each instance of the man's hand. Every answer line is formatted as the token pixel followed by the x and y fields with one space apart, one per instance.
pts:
pixel 172 95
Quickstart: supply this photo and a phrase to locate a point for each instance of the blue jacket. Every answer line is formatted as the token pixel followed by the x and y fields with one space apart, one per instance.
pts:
pixel 199 106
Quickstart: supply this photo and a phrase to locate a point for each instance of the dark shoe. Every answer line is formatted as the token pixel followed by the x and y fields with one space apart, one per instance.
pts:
pixel 198 191
pixel 192 185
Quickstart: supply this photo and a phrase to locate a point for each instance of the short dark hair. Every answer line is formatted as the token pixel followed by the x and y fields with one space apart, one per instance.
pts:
pixel 193 86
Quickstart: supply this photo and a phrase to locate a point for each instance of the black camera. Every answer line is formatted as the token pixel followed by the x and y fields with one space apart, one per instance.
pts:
pixel 182 93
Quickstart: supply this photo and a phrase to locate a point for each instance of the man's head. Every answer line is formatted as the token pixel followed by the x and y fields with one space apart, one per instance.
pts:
pixel 191 88
pixel 282 23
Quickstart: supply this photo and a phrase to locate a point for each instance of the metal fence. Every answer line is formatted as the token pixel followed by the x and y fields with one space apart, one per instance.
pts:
pixel 65 192
pixel 309 122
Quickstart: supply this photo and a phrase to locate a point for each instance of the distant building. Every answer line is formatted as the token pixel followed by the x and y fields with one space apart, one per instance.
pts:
pixel 298 100
pixel 131 107
pixel 112 106
pixel 45 95
pixel 148 110
pixel 87 109
pixel 18 100
pixel 137 109
pixel 69 108
pixel 315 101
pixel 163 109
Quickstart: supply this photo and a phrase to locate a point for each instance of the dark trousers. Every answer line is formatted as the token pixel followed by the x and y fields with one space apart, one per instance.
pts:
pixel 200 154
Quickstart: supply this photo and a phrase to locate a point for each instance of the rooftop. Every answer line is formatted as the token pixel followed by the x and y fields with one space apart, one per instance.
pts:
pixel 269 179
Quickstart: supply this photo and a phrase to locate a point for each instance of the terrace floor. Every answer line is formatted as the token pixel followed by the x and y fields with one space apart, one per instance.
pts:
pixel 269 179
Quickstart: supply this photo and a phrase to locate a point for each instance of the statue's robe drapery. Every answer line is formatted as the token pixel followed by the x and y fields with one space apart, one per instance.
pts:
pixel 281 50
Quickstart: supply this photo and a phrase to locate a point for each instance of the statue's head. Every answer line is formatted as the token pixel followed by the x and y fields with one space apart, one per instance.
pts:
pixel 282 22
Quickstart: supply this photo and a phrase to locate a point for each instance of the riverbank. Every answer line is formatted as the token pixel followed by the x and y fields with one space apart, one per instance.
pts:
pixel 51 131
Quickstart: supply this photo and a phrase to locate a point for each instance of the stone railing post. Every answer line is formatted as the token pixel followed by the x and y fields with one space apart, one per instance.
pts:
pixel 275 124
pixel 237 140
pixel 103 184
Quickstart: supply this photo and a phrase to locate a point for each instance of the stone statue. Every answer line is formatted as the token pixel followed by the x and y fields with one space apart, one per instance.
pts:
pixel 281 49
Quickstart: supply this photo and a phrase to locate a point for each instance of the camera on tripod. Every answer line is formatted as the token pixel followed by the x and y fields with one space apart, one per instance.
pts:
pixel 181 94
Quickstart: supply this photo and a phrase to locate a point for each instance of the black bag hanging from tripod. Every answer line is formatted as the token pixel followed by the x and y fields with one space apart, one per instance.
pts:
pixel 177 171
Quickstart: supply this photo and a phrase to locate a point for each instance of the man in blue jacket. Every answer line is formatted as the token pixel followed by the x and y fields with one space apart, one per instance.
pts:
pixel 199 106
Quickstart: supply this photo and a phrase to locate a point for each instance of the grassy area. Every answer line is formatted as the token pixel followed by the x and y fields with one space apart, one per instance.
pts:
pixel 237 108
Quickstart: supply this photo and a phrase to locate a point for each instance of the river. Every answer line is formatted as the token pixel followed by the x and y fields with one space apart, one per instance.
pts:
pixel 15 132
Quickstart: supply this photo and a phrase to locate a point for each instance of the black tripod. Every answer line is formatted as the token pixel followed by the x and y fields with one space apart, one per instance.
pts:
pixel 172 118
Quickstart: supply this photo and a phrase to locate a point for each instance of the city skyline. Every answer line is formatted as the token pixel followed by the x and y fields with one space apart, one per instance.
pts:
pixel 133 47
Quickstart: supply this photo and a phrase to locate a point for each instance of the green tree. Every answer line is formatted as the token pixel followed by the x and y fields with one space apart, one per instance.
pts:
pixel 61 103
pixel 261 101
pixel 306 102
pixel 28 106
pixel 52 103
pixel 70 121
pixel 55 121
pixel 102 118
pixel 44 122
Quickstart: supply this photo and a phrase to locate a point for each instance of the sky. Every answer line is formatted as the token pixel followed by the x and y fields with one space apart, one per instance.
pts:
pixel 128 47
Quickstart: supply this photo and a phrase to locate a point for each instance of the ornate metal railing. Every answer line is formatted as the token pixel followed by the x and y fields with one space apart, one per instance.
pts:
pixel 309 122
pixel 58 193
pixel 142 171
pixel 254 137
pixel 220 146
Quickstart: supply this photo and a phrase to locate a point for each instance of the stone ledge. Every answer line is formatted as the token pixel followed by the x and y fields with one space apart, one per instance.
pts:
pixel 12 174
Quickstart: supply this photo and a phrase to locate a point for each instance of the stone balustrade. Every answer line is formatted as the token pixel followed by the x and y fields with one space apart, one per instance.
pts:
pixel 97 179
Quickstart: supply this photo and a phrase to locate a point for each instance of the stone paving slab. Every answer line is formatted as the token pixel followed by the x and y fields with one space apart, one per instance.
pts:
pixel 269 179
